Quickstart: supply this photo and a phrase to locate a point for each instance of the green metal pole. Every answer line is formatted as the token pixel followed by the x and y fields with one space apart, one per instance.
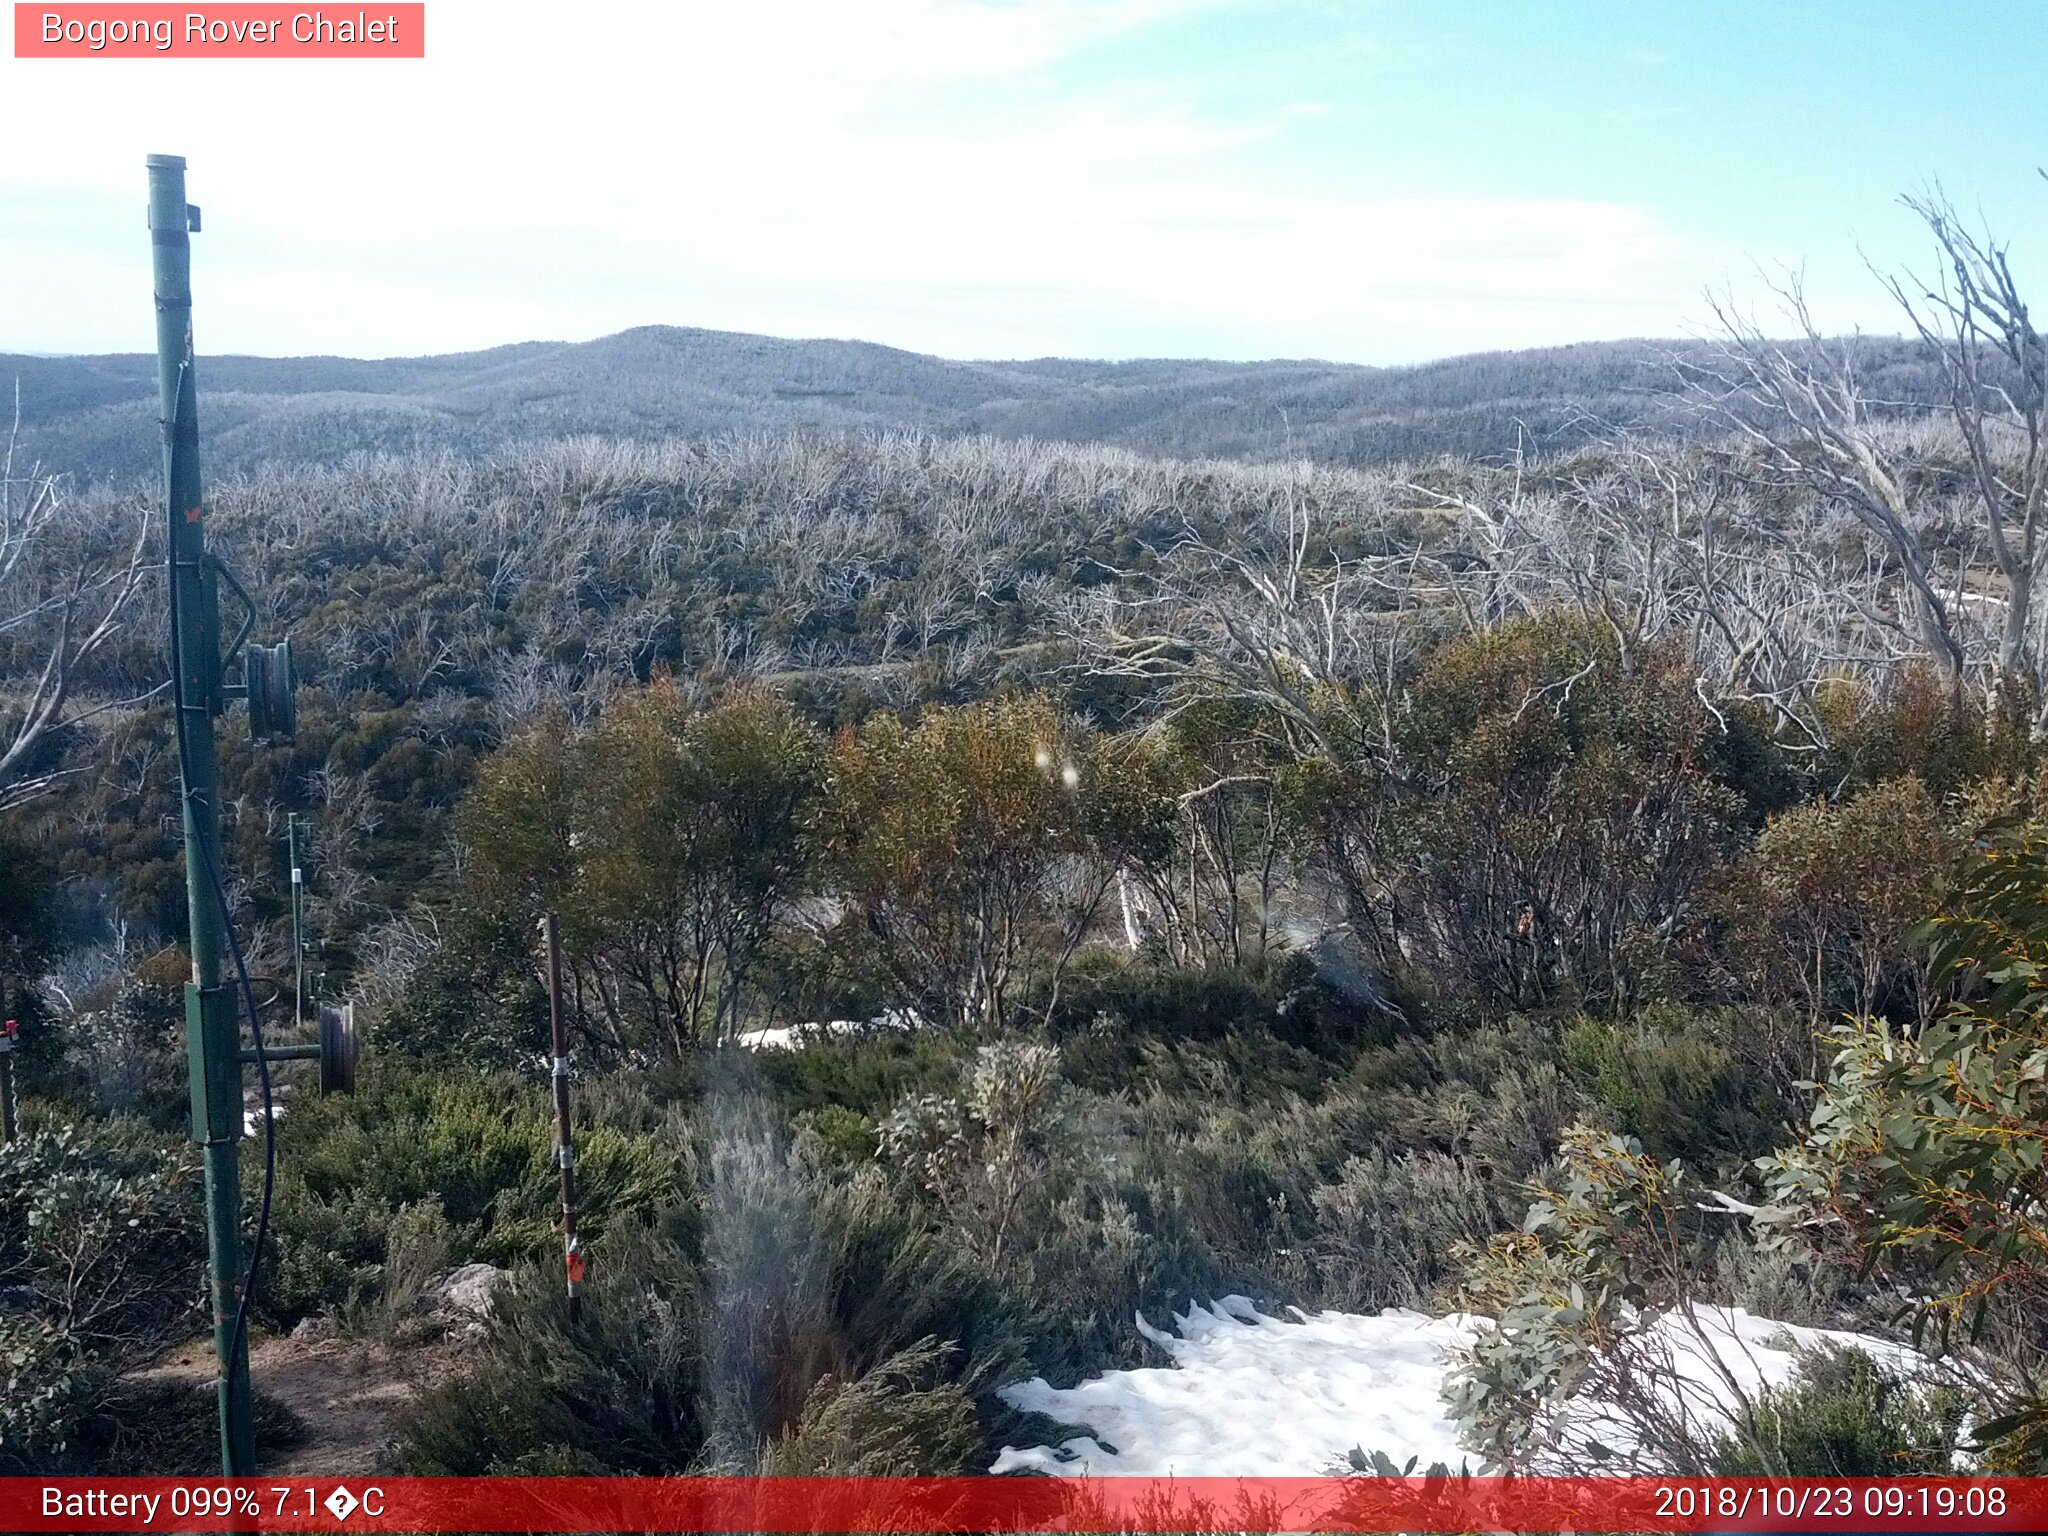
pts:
pixel 212 1026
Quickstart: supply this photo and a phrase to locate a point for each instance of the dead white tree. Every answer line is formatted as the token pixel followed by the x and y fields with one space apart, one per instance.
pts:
pixel 1996 365
pixel 1277 620
pixel 1809 419
pixel 63 597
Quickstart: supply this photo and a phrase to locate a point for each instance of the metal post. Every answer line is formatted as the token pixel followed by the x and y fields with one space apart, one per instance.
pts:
pixel 9 1115
pixel 291 824
pixel 212 1027
pixel 572 1250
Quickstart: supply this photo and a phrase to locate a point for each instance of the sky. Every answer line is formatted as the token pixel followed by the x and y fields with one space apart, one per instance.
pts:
pixel 1379 181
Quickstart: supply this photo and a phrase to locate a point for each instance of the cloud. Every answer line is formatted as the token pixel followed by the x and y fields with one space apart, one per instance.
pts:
pixel 800 168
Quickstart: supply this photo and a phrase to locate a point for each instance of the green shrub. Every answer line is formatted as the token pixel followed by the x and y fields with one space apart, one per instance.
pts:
pixel 48 1384
pixel 1841 1416
pixel 1125 1023
pixel 99 1238
pixel 124 1049
pixel 619 1394
pixel 842 1135
pixel 1823 907
pixel 667 837
pixel 475 1001
pixel 733 1330
pixel 1559 806
pixel 1920 726
pixel 479 1149
pixel 1576 1294
pixel 988 1155
pixel 1491 1093
pixel 1924 1153
pixel 1785 1285
pixel 1387 1230
pixel 1711 1089
pixel 975 847
pixel 899 1419
pixel 866 1074
pixel 101 1230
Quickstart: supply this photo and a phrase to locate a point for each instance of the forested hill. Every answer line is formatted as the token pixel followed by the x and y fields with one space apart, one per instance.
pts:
pixel 94 416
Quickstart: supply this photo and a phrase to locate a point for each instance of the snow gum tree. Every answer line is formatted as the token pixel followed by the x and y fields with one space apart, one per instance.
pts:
pixel 668 839
pixel 975 842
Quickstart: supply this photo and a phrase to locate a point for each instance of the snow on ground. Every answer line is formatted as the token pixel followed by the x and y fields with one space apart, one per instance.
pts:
pixel 792 1037
pixel 1252 1396
pixel 252 1114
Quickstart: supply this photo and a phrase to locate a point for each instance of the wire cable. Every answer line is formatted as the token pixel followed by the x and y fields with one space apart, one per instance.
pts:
pixel 248 1289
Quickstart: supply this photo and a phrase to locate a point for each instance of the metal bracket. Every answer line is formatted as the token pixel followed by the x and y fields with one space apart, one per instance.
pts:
pixel 211 1016
pixel 171 235
pixel 248 611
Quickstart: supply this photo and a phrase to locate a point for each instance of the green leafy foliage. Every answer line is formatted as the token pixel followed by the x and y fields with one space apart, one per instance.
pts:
pixel 47 1381
pixel 667 837
pixel 479 1151
pixel 102 1231
pixel 1917 727
pixel 1573 1295
pixel 1929 1148
pixel 475 1002
pixel 1825 903
pixel 1841 1416
pixel 896 1420
pixel 770 1317
pixel 99 1247
pixel 1217 852
pixel 1713 1089
pixel 1533 817
pixel 621 1394
pixel 981 1154
pixel 1570 803
pixel 975 843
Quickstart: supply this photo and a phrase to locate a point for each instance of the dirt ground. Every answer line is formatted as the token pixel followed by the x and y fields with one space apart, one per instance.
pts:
pixel 342 1393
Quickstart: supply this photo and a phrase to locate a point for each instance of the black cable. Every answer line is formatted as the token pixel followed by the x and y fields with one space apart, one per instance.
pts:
pixel 239 1336
pixel 227 919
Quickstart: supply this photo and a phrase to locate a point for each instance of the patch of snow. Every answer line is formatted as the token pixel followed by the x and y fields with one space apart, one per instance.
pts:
pixel 252 1119
pixel 1249 1395
pixel 794 1037
pixel 1729 1351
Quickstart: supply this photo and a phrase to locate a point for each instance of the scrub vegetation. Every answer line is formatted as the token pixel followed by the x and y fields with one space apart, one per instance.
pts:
pixel 1007 886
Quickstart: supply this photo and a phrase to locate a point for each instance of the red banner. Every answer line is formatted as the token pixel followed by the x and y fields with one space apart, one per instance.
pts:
pixel 856 1504
pixel 227 31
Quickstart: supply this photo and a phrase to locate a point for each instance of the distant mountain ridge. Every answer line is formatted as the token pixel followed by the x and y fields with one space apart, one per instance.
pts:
pixel 94 416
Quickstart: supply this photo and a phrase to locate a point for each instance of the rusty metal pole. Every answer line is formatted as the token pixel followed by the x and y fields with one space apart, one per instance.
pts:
pixel 565 1154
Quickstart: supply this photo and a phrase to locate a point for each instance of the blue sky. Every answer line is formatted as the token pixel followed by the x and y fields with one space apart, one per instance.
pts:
pixel 1372 182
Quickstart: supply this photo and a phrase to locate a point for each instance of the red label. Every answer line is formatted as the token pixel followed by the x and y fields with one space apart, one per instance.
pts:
pixel 232 31
pixel 282 1502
